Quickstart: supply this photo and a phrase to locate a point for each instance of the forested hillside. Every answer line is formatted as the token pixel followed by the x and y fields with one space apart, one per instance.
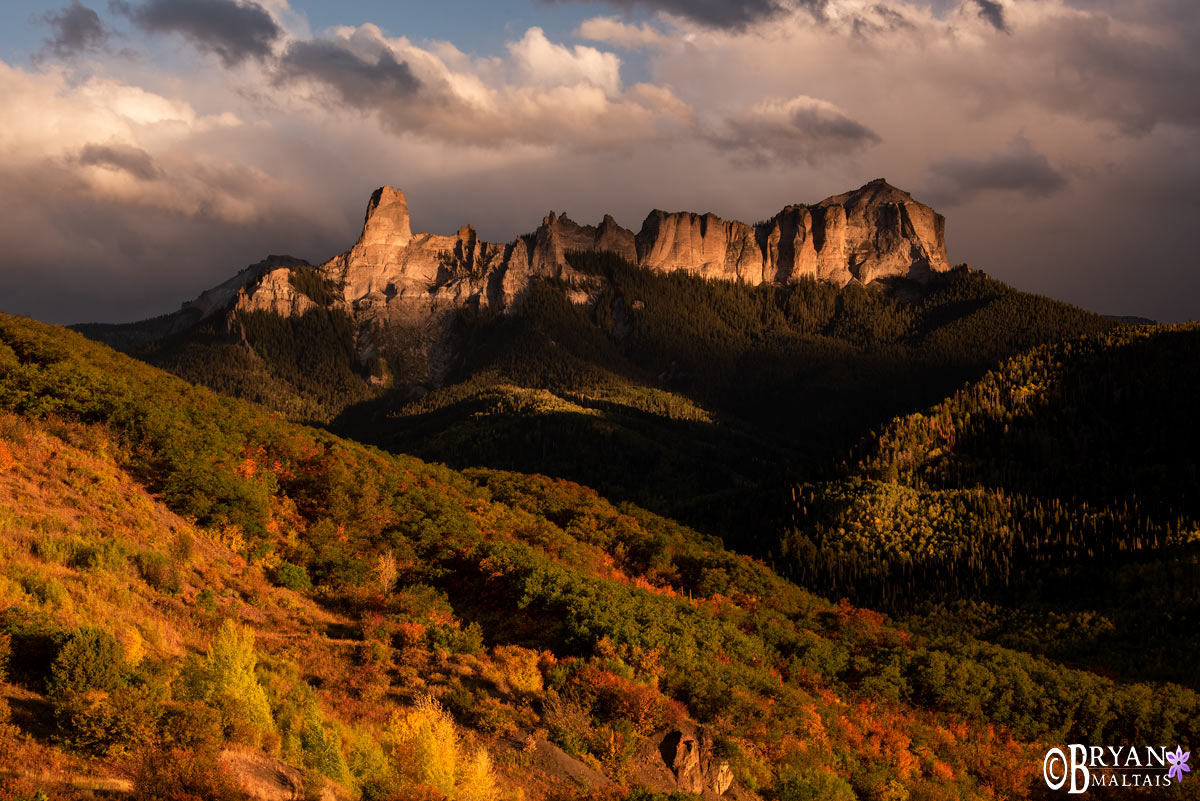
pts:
pixel 1052 505
pixel 705 400
pixel 191 583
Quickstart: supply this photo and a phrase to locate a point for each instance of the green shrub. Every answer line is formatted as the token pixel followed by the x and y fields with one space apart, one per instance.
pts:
pixel 569 723
pixel 479 709
pixel 292 577
pixel 91 659
pixel 101 707
pixel 108 723
pixel 8 732
pixel 456 639
pixel 191 725
pixel 206 600
pixel 59 550
pixel 97 555
pixel 5 654
pixel 371 770
pixel 47 590
pixel 158 571
pixel 322 747
pixel 813 784
pixel 183 547
pixel 306 737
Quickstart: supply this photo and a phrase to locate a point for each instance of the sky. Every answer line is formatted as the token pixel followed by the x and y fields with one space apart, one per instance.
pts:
pixel 152 148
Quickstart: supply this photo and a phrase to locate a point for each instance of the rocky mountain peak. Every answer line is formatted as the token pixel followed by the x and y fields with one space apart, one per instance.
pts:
pixel 386 223
pixel 392 275
pixel 871 193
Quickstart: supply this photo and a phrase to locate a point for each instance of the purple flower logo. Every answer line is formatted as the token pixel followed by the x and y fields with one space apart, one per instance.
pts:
pixel 1179 766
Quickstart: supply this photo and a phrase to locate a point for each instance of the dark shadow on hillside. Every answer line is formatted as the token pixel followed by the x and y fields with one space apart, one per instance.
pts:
pixel 721 479
pixel 1119 426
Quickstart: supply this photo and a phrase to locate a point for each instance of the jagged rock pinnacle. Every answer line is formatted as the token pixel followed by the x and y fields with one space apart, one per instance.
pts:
pixel 875 231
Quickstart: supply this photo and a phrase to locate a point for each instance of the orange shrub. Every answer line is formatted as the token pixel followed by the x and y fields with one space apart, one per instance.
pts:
pixel 620 698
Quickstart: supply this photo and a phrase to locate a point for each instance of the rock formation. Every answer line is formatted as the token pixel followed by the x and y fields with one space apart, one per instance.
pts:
pixel 394 276
pixel 404 289
pixel 220 297
pixel 274 293
pixel 683 759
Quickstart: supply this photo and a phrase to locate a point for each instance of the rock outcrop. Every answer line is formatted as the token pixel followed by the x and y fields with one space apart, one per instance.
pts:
pixel 401 287
pixel 703 245
pixel 274 293
pixel 246 282
pixel 392 275
pixel 683 758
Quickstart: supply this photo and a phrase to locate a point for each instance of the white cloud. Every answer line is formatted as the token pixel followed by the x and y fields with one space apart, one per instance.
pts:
pixel 538 61
pixel 543 93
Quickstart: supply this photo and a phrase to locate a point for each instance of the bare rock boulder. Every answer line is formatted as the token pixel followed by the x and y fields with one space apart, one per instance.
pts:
pixel 683 758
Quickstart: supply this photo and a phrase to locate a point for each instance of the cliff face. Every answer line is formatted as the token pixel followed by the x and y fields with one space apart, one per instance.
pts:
pixel 393 275
pixel 875 232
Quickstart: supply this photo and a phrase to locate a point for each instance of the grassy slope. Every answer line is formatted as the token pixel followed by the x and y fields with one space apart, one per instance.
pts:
pixel 630 611
pixel 78 536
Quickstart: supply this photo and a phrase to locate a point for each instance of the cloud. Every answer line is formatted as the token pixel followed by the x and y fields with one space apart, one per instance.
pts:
pixel 993 12
pixel 358 81
pixel 1020 169
pixel 74 29
pixel 233 31
pixel 539 61
pixel 728 14
pixel 123 145
pixel 544 94
pixel 621 34
pixel 1131 74
pixel 798 130
pixel 133 160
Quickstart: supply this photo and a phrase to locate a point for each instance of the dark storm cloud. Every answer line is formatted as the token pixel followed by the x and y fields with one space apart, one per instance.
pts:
pixel 73 256
pixel 234 31
pixel 1021 169
pixel 993 12
pixel 802 129
pixel 360 82
pixel 74 29
pixel 734 14
pixel 1137 73
pixel 133 160
pixel 882 19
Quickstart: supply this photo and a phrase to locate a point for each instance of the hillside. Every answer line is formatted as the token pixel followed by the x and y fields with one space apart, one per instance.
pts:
pixel 699 367
pixel 1051 504
pixel 191 580
pixel 700 399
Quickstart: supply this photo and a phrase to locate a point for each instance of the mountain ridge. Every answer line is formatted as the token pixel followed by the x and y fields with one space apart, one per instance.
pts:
pixel 394 275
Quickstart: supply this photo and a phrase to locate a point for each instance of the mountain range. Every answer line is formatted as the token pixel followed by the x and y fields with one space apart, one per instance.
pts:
pixel 395 280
